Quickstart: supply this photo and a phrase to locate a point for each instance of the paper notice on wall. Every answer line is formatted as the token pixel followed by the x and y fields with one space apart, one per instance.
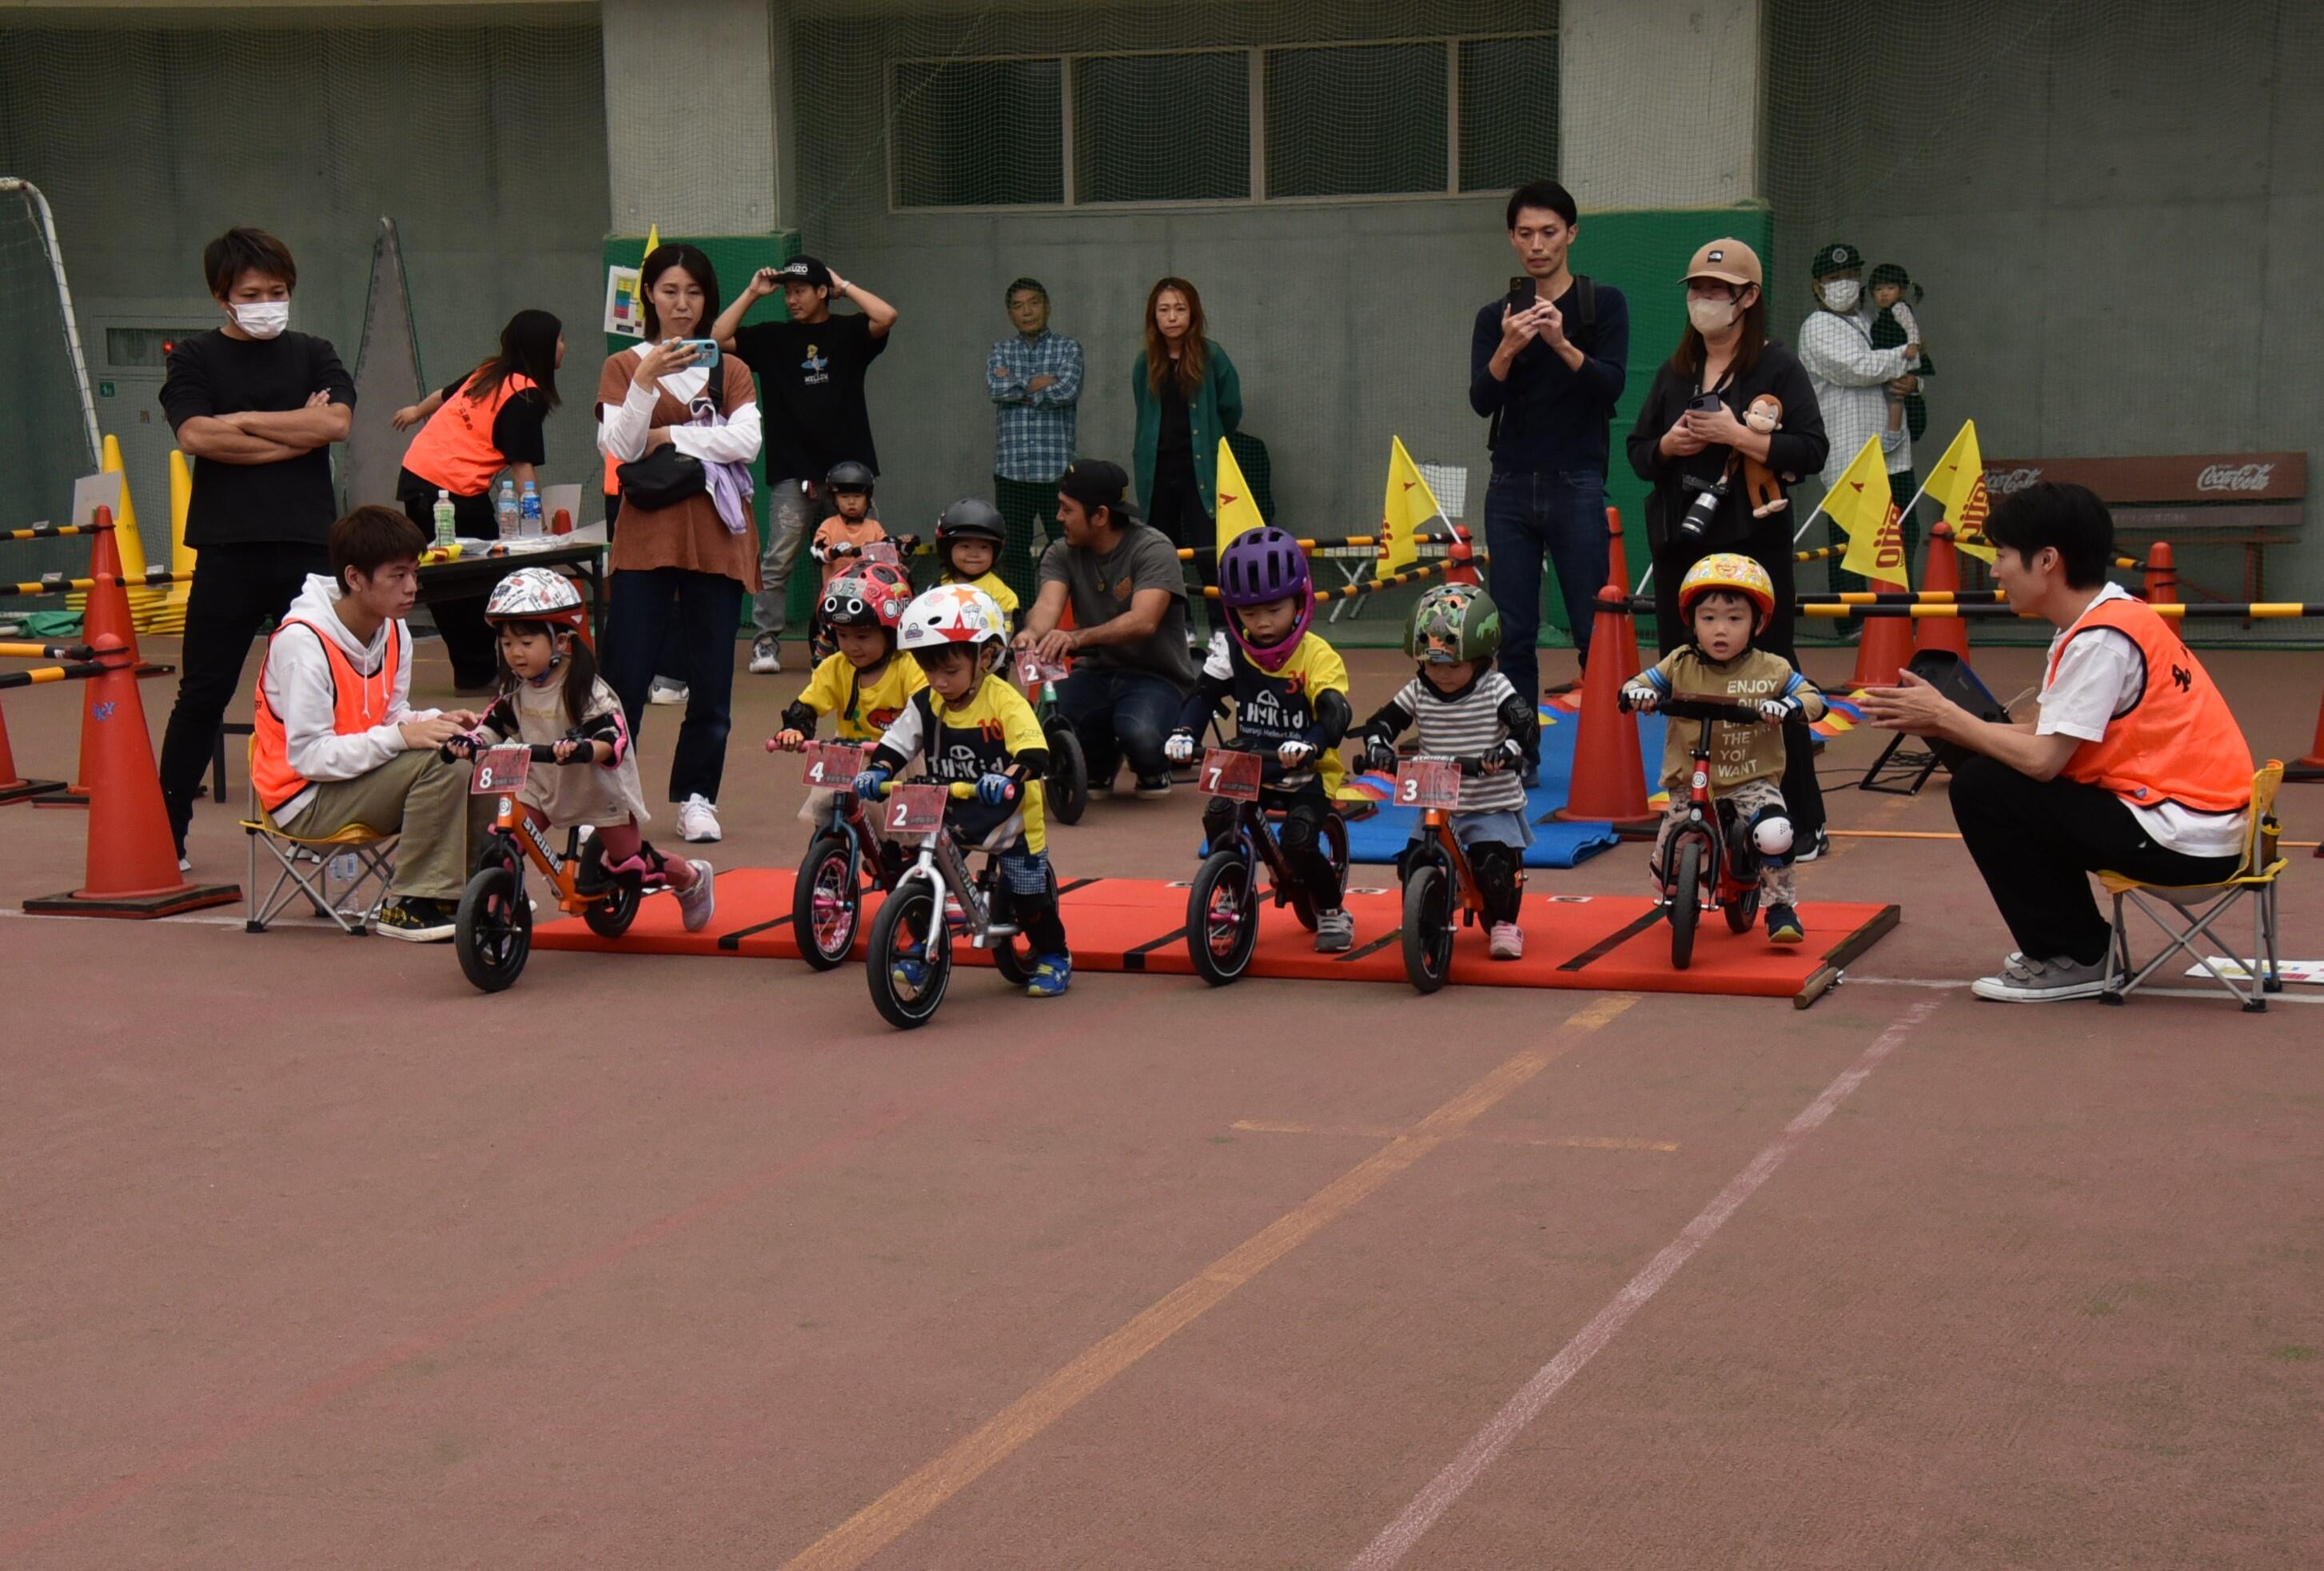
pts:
pixel 624 303
pixel 91 492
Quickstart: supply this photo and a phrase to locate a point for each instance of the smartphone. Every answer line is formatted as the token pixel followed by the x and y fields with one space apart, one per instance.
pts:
pixel 1521 294
pixel 706 351
pixel 1706 403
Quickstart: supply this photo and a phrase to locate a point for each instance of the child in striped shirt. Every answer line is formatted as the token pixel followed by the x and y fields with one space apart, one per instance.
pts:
pixel 1464 708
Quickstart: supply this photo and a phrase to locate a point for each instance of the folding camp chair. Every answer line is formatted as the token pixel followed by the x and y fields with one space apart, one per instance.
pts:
pixel 304 866
pixel 2199 905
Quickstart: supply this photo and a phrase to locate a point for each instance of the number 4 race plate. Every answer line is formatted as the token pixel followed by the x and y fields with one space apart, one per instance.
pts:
pixel 1230 773
pixel 1428 782
pixel 831 765
pixel 501 768
pixel 914 809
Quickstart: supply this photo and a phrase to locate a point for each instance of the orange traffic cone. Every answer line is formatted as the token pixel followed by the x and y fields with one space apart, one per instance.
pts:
pixel 1610 781
pixel 132 866
pixel 14 787
pixel 2315 758
pixel 1620 572
pixel 2161 583
pixel 105 614
pixel 1942 576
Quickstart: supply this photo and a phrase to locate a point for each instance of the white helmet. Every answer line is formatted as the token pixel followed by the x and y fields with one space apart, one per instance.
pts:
pixel 536 594
pixel 952 614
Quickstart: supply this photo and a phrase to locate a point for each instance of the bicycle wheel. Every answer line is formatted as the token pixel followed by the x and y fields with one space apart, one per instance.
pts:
pixel 826 901
pixel 1013 955
pixel 907 985
pixel 1335 846
pixel 1743 910
pixel 1065 792
pixel 1222 917
pixel 493 931
pixel 1686 897
pixel 610 914
pixel 1427 927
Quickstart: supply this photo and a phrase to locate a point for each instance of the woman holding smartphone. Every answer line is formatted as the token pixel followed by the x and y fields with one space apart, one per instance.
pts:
pixel 1690 443
pixel 686 551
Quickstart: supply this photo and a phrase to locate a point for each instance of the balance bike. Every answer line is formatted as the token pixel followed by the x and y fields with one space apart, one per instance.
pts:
pixel 1222 906
pixel 827 894
pixel 907 960
pixel 1438 878
pixel 1066 784
pixel 1709 863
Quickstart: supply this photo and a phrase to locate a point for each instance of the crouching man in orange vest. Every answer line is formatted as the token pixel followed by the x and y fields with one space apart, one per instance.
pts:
pixel 335 741
pixel 2135 764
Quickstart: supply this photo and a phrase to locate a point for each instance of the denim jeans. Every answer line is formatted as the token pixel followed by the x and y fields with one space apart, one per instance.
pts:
pixel 1121 714
pixel 644 610
pixel 1562 515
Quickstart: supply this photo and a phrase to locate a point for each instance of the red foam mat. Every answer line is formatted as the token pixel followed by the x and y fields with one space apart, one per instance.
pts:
pixel 1603 942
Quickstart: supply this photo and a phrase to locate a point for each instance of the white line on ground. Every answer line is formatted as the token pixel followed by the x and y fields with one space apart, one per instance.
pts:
pixel 1396 1539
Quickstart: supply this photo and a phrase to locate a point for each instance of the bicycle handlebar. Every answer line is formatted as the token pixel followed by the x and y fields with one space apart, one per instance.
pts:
pixel 1703 709
pixel 960 791
pixel 585 752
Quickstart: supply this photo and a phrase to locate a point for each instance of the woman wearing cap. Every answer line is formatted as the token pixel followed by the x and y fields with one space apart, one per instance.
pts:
pixel 1690 445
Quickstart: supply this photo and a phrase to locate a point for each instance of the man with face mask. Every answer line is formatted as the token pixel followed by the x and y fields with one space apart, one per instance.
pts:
pixel 1852 380
pixel 256 407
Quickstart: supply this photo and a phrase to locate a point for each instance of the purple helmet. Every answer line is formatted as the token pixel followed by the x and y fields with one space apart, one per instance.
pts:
pixel 1261 566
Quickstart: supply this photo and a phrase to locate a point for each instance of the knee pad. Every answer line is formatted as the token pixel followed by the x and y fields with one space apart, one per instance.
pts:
pixel 1495 867
pixel 1218 817
pixel 1299 835
pixel 1771 832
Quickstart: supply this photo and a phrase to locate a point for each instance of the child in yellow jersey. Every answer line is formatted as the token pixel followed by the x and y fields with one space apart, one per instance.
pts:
pixel 866 684
pixel 1289 690
pixel 974 728
pixel 969 538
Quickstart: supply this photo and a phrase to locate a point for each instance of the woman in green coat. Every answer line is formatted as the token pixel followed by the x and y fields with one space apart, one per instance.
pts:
pixel 1188 397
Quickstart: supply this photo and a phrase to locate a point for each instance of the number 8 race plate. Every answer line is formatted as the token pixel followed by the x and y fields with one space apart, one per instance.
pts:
pixel 501 768
pixel 1428 782
pixel 914 809
pixel 1230 773
pixel 831 765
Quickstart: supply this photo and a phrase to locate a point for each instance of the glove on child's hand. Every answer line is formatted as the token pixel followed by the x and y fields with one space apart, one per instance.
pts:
pixel 994 790
pixel 1380 756
pixel 1295 755
pixel 1775 711
pixel 1178 747
pixel 868 782
pixel 1642 699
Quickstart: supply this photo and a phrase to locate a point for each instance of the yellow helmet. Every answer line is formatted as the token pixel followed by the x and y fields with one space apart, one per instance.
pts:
pixel 1733 572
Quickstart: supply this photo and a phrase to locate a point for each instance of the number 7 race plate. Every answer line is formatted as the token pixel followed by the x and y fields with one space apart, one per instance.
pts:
pixel 1428 782
pixel 914 809
pixel 831 765
pixel 1230 773
pixel 501 768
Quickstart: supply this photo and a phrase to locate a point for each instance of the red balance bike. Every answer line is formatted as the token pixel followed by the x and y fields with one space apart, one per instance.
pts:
pixel 827 895
pixel 1709 863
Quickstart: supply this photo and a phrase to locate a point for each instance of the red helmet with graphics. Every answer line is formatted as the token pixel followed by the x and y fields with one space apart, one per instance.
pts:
pixel 874 596
pixel 537 595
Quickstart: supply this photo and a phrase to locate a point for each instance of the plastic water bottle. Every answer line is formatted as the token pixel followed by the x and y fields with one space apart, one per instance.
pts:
pixel 504 511
pixel 528 523
pixel 446 531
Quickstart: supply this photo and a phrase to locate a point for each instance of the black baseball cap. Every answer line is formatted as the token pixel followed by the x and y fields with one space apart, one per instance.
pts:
pixel 1094 484
pixel 804 270
pixel 1836 257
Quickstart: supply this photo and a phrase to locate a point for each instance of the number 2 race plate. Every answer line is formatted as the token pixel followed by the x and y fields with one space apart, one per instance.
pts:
pixel 1230 773
pixel 501 768
pixel 831 765
pixel 1428 782
pixel 914 809
pixel 1032 670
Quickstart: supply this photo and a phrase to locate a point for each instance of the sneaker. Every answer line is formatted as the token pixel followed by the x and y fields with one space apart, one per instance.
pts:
pixel 1816 845
pixel 696 905
pixel 1335 930
pixel 766 656
pixel 416 921
pixel 697 820
pixel 184 863
pixel 909 971
pixel 1052 975
pixel 1507 941
pixel 2031 980
pixel 1150 786
pixel 665 691
pixel 1784 925
pixel 1530 776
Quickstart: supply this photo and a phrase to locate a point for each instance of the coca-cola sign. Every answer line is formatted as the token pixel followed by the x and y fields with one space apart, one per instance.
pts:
pixel 2002 482
pixel 2235 478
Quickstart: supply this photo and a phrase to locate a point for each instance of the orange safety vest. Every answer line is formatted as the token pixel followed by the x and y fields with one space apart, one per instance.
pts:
pixel 455 448
pixel 2179 742
pixel 358 703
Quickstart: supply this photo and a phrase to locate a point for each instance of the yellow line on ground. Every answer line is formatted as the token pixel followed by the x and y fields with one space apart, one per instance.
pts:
pixel 910 1503
pixel 1599 1143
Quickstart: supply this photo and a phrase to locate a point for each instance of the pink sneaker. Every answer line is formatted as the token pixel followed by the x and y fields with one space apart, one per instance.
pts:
pixel 1507 941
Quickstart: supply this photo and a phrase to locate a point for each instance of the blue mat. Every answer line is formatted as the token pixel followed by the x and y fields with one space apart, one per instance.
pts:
pixel 1379 837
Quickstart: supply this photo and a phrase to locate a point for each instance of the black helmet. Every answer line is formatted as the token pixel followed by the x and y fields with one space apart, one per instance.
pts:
pixel 971 518
pixel 847 474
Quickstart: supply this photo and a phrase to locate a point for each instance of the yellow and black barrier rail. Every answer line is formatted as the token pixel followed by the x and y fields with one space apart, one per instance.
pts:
pixel 1321 543
pixel 1909 597
pixel 72 651
pixel 1390 581
pixel 57 584
pixel 2225 610
pixel 39 675
pixel 54 531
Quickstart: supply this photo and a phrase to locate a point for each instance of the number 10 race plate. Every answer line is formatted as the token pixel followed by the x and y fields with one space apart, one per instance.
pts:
pixel 501 768
pixel 914 809
pixel 831 765
pixel 1230 773
pixel 1428 782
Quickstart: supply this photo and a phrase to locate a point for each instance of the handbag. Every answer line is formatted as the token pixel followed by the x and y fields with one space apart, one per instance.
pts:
pixel 665 476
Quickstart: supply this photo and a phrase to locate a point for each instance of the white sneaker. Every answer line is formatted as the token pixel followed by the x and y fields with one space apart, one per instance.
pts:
pixel 696 905
pixel 665 691
pixel 766 656
pixel 2024 980
pixel 1506 942
pixel 697 820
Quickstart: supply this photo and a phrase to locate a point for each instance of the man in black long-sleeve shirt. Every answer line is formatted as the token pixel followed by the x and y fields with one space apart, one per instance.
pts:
pixel 1547 376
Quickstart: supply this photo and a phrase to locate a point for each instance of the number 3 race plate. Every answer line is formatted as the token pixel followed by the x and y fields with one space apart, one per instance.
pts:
pixel 1428 782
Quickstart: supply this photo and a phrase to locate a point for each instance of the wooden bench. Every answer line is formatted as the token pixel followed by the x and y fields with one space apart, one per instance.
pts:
pixel 2252 500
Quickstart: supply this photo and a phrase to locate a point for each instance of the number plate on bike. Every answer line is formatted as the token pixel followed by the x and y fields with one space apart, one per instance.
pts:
pixel 832 765
pixel 1032 670
pixel 880 551
pixel 501 768
pixel 914 809
pixel 1428 782
pixel 1230 773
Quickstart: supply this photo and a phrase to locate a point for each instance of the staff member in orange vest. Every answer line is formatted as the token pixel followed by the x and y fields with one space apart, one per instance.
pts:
pixel 488 421
pixel 335 741
pixel 2135 764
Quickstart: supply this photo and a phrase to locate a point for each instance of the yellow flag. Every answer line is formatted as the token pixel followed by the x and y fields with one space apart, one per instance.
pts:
pixel 1958 485
pixel 1861 503
pixel 1409 509
pixel 1238 509
pixel 654 238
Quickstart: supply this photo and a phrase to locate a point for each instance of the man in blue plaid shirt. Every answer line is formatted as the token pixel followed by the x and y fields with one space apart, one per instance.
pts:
pixel 1035 379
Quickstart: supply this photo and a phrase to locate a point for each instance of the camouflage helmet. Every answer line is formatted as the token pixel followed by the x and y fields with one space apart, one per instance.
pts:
pixel 1452 622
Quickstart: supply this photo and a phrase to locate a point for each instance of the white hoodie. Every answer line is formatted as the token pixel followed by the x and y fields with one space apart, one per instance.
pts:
pixel 298 690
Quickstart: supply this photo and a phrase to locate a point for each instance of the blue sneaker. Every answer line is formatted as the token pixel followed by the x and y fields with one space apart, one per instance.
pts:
pixel 1052 975
pixel 908 970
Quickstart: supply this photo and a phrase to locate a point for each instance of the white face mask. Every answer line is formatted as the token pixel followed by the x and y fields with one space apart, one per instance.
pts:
pixel 1711 316
pixel 263 319
pixel 1841 293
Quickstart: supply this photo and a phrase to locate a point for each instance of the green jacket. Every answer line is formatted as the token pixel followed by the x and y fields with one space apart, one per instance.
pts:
pixel 1214 411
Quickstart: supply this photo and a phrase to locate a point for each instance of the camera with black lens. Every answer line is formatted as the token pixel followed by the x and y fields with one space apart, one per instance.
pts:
pixel 1707 496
